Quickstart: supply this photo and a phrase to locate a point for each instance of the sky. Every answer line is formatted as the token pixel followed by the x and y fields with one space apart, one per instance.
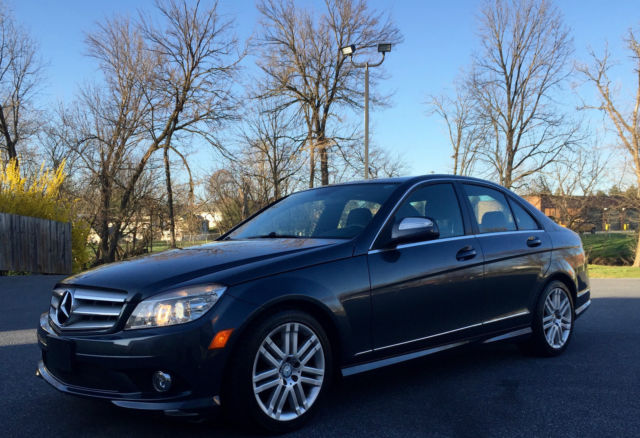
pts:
pixel 439 39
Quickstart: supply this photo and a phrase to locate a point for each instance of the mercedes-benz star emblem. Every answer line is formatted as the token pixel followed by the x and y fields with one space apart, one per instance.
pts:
pixel 65 307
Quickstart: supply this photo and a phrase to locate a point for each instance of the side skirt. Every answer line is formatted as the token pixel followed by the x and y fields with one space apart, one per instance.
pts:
pixel 348 371
pixel 361 368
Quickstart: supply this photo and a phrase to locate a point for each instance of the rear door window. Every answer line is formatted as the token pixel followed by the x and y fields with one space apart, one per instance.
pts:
pixel 490 209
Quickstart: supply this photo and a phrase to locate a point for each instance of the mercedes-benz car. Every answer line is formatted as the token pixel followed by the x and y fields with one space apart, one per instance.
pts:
pixel 341 279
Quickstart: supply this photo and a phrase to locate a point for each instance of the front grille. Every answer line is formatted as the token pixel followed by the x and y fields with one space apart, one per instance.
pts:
pixel 86 309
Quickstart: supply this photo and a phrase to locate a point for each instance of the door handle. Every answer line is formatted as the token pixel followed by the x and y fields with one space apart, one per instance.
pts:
pixel 534 241
pixel 466 253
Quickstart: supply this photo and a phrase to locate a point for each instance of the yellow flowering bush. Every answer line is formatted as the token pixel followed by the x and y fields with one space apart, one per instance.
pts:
pixel 39 196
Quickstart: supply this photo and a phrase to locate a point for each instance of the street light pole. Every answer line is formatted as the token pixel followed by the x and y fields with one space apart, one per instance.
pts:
pixel 348 51
pixel 366 120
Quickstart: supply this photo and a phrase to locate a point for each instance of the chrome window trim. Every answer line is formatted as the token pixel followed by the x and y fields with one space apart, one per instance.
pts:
pixel 494 233
pixel 425 242
pixel 582 292
pixel 348 371
pixel 582 308
pixel 513 334
pixel 446 239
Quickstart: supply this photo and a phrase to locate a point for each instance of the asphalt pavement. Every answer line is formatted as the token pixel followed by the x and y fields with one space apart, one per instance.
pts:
pixel 593 390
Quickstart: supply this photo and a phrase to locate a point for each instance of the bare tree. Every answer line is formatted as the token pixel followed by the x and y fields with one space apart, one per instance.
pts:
pixel 20 74
pixel 624 116
pixel 382 164
pixel 524 52
pixel 301 61
pixel 273 156
pixel 165 82
pixel 192 87
pixel 573 180
pixel 230 193
pixel 464 128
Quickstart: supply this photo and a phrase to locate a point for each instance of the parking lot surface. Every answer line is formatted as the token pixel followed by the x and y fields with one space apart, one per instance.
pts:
pixel 593 390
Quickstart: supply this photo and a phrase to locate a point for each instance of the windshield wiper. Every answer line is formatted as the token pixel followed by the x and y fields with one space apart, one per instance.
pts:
pixel 274 235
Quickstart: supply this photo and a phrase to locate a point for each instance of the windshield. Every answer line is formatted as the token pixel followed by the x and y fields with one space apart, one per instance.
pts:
pixel 338 212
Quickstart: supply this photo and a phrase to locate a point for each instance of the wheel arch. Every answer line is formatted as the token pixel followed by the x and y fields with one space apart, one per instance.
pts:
pixel 564 278
pixel 313 307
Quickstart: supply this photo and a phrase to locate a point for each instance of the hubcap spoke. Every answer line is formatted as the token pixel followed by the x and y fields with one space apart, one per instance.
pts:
pixel 279 353
pixel 310 381
pixel 274 399
pixel 306 346
pixel 311 370
pixel 283 399
pixel 311 353
pixel 265 375
pixel 267 385
pixel 294 339
pixel 269 357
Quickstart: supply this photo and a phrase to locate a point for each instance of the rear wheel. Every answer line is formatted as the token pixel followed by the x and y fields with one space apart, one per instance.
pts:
pixel 281 371
pixel 552 321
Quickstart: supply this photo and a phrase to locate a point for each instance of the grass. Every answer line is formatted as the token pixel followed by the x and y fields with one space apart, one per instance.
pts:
pixel 610 248
pixel 601 271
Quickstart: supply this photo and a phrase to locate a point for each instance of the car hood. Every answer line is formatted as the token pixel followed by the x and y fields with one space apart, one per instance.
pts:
pixel 162 270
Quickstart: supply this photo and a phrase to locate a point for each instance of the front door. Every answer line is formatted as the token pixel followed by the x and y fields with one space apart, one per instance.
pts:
pixel 424 290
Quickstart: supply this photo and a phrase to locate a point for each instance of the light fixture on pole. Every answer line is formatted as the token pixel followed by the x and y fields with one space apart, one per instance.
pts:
pixel 349 51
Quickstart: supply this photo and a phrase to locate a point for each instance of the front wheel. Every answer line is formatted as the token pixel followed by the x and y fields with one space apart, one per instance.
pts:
pixel 281 371
pixel 552 321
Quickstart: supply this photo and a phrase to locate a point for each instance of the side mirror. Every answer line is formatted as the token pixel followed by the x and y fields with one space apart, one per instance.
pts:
pixel 414 229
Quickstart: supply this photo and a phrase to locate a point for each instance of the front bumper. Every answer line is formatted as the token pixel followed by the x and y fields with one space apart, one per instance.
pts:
pixel 129 400
pixel 118 367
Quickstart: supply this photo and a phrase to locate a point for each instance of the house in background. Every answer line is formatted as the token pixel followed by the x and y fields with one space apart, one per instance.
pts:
pixel 588 213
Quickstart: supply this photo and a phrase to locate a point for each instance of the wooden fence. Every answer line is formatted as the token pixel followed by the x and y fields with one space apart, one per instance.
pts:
pixel 30 244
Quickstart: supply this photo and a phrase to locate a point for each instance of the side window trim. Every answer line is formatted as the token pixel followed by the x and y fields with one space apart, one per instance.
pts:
pixel 419 185
pixel 470 226
pixel 510 199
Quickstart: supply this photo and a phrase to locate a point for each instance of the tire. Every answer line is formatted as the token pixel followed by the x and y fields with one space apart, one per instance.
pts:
pixel 553 321
pixel 279 385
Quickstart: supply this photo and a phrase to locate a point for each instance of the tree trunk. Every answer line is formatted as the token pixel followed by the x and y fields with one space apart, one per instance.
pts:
pixel 636 261
pixel 103 231
pixel 172 220
pixel 11 144
pixel 312 164
pixel 324 164
pixel 114 237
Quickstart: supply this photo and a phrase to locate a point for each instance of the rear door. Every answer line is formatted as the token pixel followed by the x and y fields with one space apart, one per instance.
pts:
pixel 517 253
pixel 423 290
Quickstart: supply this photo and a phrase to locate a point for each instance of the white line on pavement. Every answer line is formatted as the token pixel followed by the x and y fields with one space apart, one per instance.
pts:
pixel 18 337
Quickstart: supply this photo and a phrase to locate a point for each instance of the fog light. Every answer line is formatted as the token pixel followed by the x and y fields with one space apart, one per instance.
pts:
pixel 161 381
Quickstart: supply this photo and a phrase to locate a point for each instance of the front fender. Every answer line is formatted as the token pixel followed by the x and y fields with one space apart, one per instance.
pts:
pixel 339 289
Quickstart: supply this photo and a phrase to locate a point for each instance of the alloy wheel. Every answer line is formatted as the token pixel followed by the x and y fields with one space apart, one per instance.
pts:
pixel 288 371
pixel 557 318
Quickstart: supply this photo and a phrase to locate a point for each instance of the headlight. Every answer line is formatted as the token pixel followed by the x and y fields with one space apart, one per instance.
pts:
pixel 175 307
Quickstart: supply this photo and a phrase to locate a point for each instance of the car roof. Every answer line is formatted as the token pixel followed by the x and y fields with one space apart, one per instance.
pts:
pixel 418 178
